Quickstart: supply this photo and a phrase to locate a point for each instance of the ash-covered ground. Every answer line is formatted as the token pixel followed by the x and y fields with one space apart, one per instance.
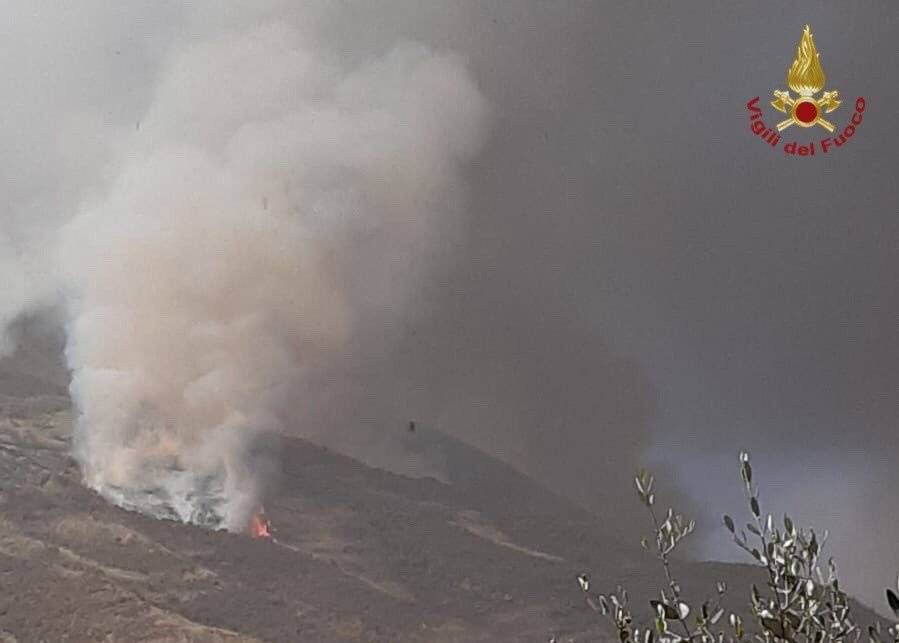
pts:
pixel 359 554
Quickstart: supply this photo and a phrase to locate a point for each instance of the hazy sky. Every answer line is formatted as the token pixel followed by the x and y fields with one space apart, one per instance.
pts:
pixel 641 278
pixel 639 264
pixel 641 269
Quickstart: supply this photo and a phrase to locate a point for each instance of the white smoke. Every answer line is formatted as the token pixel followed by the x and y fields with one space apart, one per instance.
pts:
pixel 265 204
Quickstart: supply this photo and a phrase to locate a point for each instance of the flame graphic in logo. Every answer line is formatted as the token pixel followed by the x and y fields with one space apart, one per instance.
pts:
pixel 806 78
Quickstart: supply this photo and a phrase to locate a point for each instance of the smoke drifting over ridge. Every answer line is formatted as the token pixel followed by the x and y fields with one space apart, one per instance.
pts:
pixel 488 332
pixel 268 203
pixel 631 274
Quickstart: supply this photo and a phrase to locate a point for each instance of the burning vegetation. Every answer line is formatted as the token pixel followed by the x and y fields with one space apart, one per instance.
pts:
pixel 260 527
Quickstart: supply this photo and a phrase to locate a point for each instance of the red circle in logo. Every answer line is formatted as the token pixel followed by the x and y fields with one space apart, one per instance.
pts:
pixel 806 111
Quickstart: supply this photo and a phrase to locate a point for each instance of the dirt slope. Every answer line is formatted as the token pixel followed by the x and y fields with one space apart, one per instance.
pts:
pixel 360 554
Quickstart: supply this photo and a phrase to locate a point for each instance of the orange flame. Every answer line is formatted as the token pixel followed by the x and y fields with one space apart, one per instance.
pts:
pixel 260 527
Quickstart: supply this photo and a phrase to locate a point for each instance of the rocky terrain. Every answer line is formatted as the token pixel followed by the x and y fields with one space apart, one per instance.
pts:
pixel 358 554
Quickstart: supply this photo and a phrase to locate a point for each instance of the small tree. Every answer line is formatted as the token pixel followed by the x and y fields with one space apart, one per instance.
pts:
pixel 800 603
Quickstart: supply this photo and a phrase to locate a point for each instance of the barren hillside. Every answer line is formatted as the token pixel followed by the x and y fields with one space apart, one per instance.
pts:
pixel 358 554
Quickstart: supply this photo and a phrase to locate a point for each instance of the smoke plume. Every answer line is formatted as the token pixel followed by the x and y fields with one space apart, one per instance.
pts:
pixel 276 216
pixel 628 273
pixel 268 202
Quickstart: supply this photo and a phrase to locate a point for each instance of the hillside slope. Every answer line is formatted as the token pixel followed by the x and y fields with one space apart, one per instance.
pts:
pixel 359 554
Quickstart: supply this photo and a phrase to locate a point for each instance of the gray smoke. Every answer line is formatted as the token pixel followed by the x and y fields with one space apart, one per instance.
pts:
pixel 268 216
pixel 631 268
pixel 268 201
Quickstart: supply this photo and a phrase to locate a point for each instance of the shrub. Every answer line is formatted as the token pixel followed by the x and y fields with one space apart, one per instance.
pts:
pixel 800 603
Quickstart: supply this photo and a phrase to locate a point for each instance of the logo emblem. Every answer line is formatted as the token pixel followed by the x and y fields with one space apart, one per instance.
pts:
pixel 806 78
